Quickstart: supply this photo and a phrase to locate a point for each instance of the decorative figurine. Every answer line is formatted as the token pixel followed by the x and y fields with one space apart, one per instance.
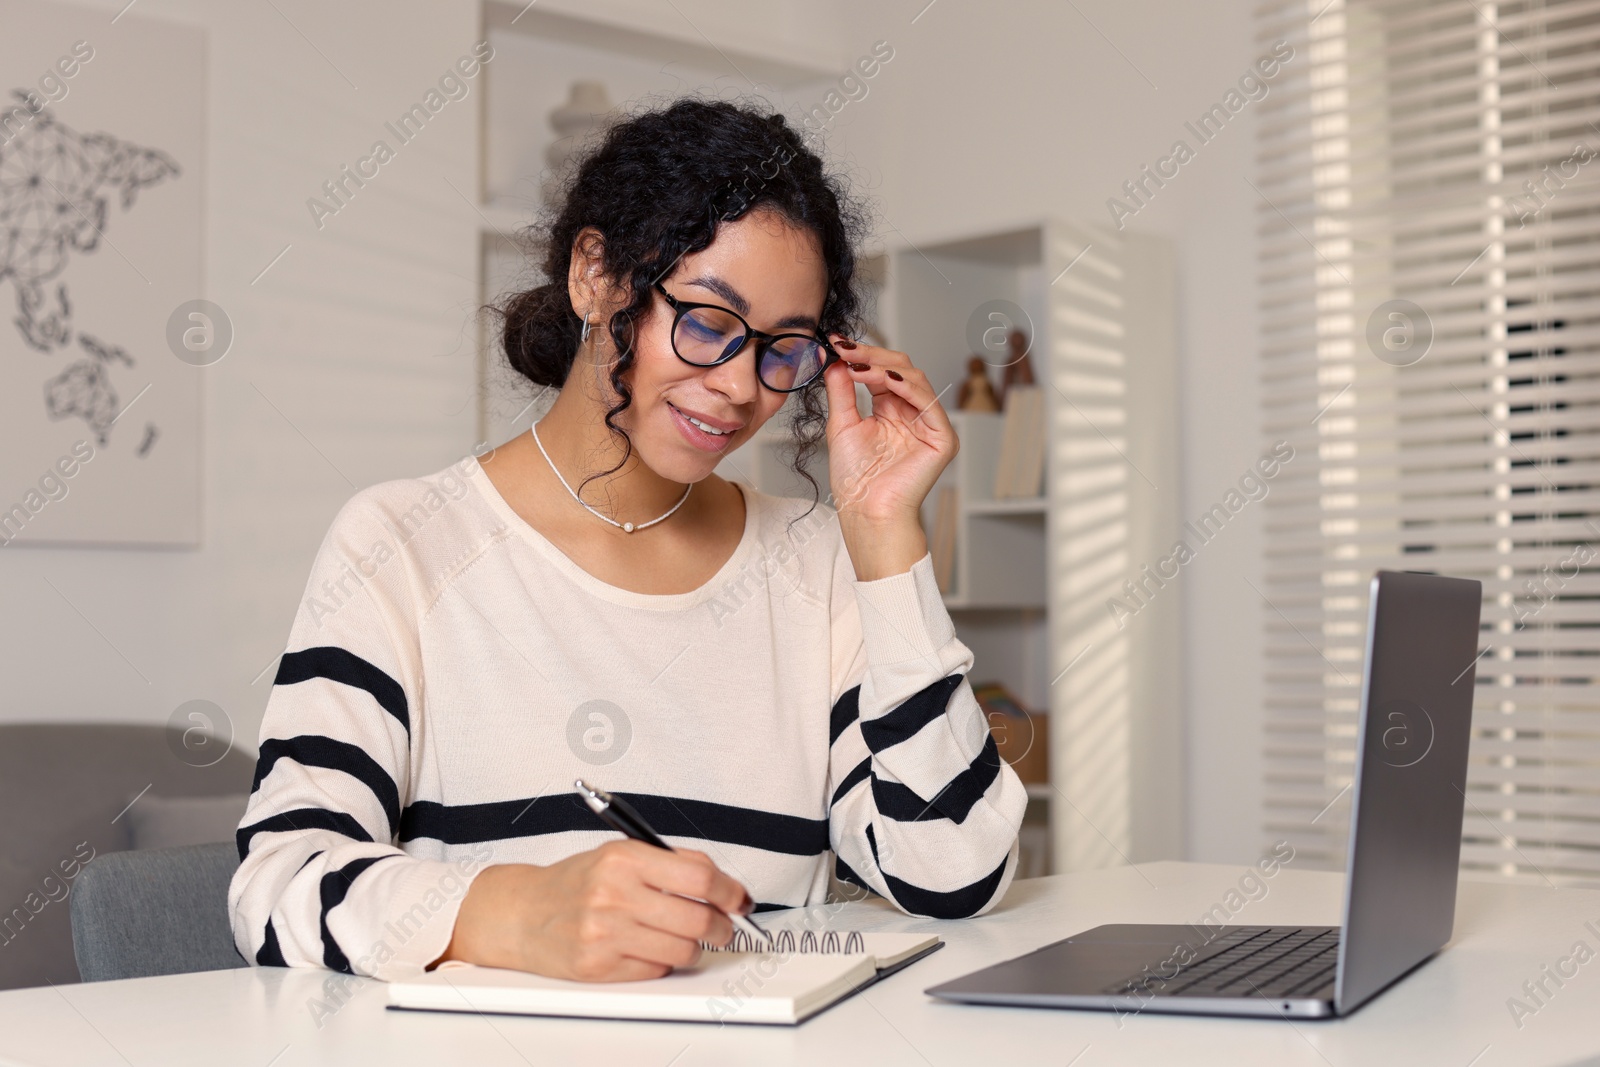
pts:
pixel 977 393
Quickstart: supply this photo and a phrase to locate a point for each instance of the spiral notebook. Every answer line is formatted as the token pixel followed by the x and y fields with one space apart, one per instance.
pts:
pixel 806 973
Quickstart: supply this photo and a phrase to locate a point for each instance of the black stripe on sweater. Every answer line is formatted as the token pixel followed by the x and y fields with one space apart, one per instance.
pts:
pixel 565 812
pixel 301 819
pixel 315 750
pixel 339 665
pixel 846 710
pixel 333 888
pixel 911 715
pixel 956 904
pixel 861 773
pixel 953 802
pixel 269 954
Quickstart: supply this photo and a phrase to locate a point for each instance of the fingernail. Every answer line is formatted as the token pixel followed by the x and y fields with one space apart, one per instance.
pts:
pixel 860 366
pixel 894 375
pixel 845 343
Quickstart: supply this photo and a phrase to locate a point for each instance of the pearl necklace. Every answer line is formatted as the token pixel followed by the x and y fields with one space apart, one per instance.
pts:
pixel 626 527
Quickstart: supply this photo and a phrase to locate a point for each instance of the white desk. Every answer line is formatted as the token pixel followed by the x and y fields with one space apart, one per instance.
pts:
pixel 1452 1012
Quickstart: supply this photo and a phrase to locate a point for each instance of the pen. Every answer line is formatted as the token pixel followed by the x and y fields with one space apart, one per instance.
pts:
pixel 619 815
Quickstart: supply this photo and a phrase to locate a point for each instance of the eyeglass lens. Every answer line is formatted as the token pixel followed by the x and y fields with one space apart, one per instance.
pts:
pixel 706 335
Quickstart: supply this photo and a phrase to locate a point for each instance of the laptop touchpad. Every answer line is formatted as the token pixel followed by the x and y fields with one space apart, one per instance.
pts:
pixel 1142 934
pixel 1085 967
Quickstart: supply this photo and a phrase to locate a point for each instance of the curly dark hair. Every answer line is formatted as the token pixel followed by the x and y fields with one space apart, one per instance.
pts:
pixel 656 187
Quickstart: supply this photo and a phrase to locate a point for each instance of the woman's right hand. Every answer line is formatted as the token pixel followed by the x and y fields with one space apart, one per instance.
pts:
pixel 616 913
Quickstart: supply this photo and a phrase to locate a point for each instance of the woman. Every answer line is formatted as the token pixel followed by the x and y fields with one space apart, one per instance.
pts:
pixel 772 682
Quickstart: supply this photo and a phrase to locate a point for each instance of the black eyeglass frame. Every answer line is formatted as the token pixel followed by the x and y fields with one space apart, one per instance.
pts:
pixel 763 340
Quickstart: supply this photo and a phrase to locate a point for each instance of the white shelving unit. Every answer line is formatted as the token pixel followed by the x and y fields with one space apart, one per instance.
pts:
pixel 998 595
pixel 1032 576
pixel 1113 480
pixel 1000 544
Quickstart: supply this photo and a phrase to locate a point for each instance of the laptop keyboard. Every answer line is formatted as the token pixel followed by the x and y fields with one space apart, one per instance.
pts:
pixel 1248 961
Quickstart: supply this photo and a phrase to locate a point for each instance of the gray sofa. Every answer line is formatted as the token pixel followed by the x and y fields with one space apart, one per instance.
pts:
pixel 64 796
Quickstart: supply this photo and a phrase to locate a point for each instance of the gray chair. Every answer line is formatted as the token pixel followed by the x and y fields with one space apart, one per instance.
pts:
pixel 63 789
pixel 154 911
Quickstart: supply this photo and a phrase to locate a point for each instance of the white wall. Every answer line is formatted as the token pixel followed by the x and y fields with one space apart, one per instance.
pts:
pixel 992 113
pixel 359 335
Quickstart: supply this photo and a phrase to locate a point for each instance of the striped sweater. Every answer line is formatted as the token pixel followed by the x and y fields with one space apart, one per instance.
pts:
pixel 450 672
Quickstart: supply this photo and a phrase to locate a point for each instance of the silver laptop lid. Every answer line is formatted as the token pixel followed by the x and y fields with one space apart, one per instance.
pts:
pixel 1410 779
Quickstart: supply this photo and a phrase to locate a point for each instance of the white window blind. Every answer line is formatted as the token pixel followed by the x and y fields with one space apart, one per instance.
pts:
pixel 1445 153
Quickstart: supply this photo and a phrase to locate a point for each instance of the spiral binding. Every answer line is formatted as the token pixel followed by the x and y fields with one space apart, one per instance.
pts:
pixel 784 943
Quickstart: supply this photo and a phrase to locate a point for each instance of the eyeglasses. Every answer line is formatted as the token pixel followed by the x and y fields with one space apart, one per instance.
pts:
pixel 705 335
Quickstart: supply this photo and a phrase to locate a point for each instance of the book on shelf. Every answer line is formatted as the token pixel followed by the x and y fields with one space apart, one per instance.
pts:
pixel 1008 452
pixel 942 545
pixel 1020 471
pixel 1030 466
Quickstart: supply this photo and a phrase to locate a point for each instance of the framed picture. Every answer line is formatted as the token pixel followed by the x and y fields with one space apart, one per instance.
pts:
pixel 106 335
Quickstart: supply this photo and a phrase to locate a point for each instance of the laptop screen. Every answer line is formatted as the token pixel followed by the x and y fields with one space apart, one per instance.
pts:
pixel 1411 777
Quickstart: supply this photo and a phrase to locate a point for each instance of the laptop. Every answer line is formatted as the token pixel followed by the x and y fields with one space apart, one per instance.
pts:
pixel 1405 848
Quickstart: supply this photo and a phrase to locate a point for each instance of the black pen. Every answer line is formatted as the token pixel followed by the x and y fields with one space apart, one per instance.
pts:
pixel 620 816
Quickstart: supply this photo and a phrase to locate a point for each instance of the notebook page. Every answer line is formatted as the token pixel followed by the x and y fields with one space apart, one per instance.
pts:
pixel 723 987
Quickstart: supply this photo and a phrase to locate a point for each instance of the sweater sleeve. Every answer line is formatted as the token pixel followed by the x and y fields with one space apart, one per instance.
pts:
pixel 923 810
pixel 321 882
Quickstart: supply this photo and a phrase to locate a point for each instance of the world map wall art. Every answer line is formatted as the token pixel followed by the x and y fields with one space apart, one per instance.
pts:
pixel 101 240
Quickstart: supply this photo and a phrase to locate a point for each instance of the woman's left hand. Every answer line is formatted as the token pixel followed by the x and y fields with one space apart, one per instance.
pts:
pixel 883 466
